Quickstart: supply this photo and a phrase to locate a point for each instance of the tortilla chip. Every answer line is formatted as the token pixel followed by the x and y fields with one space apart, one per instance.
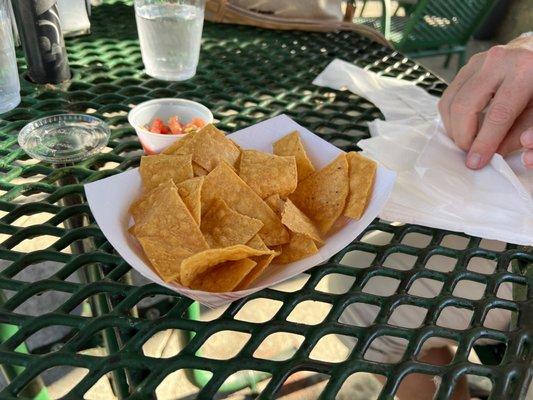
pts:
pixel 225 184
pixel 190 192
pixel 268 174
pixel 223 227
pixel 172 149
pixel 291 145
pixel 224 277
pixel 322 196
pixel 362 172
pixel 151 205
pixel 261 264
pixel 141 206
pixel 257 243
pixel 275 203
pixel 298 222
pixel 209 147
pixel 198 171
pixel 165 255
pixel 203 261
pixel 159 168
pixel 169 225
pixel 299 247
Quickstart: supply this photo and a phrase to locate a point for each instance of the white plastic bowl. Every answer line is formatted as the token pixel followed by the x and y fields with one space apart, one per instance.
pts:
pixel 143 114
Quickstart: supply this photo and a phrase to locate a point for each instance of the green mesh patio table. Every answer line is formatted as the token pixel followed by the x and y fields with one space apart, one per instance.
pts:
pixel 245 75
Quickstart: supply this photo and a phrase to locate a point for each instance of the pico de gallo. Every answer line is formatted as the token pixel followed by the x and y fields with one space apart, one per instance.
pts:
pixel 174 126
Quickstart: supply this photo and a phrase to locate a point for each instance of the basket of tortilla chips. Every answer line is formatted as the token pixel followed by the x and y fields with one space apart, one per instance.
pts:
pixel 217 217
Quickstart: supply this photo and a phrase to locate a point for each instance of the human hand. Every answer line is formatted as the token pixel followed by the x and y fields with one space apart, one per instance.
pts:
pixel 500 82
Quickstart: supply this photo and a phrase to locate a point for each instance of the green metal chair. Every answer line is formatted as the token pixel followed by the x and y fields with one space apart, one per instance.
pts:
pixel 407 6
pixel 433 27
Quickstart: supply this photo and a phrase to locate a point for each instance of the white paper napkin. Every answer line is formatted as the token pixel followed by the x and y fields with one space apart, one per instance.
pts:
pixel 434 187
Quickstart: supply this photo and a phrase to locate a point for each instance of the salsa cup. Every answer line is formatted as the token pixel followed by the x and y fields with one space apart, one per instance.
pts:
pixel 142 115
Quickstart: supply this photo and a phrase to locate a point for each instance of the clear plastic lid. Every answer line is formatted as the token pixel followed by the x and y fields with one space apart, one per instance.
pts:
pixel 64 138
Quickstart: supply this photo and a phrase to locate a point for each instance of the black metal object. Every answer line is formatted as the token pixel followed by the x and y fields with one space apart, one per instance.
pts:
pixel 42 40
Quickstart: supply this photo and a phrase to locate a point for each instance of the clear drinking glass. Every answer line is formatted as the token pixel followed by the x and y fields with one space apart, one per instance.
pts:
pixel 170 32
pixel 9 77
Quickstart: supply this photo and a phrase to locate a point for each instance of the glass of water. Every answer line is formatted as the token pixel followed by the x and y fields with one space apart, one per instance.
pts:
pixel 170 32
pixel 9 77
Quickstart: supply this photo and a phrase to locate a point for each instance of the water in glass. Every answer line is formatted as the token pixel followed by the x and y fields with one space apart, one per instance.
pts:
pixel 170 35
pixel 9 78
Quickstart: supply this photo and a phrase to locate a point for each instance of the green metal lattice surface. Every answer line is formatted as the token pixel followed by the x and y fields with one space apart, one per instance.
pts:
pixel 245 75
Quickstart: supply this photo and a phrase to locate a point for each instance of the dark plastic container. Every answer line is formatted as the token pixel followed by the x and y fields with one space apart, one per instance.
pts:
pixel 42 40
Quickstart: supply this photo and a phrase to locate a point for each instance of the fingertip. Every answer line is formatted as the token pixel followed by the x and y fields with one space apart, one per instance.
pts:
pixel 527 158
pixel 474 160
pixel 481 152
pixel 526 138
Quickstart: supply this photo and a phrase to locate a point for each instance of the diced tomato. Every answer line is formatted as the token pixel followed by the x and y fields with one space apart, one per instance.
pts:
pixel 175 126
pixel 157 126
pixel 198 122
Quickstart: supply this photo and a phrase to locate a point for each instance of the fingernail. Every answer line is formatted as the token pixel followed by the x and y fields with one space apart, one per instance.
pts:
pixel 527 138
pixel 473 160
pixel 527 158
